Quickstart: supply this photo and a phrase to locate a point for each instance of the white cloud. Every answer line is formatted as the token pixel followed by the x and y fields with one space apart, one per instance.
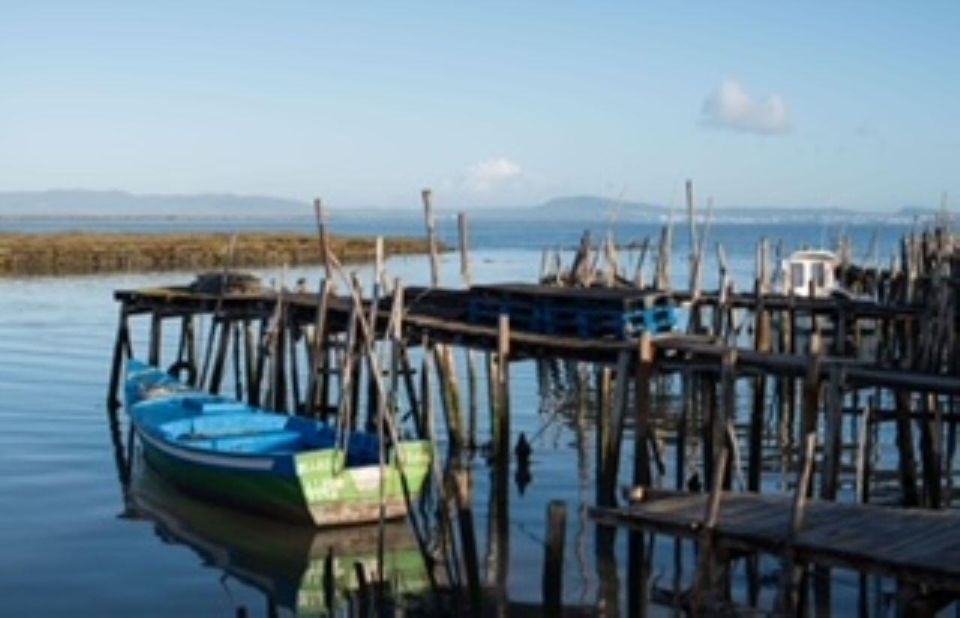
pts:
pixel 730 106
pixel 492 173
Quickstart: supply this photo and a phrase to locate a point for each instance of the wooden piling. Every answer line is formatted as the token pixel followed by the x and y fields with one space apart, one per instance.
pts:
pixel 431 222
pixel 156 338
pixel 553 558
pixel 121 351
pixel 642 412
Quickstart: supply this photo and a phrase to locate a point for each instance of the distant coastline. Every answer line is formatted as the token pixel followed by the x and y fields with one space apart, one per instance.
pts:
pixel 96 253
pixel 84 206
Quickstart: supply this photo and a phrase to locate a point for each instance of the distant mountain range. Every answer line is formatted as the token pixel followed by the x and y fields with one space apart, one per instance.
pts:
pixel 586 208
pixel 82 203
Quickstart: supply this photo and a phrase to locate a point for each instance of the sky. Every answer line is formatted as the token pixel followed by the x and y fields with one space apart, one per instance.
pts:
pixel 846 104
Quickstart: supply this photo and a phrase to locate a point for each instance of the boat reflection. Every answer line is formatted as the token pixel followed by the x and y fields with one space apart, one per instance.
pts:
pixel 308 571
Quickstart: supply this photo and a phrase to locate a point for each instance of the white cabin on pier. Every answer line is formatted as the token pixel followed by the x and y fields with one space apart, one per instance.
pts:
pixel 811 272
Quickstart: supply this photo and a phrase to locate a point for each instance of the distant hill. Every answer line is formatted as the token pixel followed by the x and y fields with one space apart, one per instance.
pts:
pixel 123 204
pixel 591 207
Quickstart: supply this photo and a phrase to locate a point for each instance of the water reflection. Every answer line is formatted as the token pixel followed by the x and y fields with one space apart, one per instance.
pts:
pixel 304 570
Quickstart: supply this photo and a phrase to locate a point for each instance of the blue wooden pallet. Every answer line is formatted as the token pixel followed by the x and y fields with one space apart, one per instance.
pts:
pixel 566 315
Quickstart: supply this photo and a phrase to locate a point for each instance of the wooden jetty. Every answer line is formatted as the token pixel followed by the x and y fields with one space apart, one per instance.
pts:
pixel 759 382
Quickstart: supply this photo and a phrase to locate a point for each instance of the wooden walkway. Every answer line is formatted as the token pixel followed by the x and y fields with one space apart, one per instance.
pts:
pixel 441 316
pixel 913 545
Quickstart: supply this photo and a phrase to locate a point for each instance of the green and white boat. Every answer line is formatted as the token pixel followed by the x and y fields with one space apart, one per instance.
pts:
pixel 287 467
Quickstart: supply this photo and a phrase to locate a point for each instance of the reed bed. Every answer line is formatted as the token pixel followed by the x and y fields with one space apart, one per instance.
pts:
pixel 88 253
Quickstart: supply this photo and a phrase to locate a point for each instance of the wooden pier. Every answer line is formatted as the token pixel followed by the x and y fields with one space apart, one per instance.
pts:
pixel 755 383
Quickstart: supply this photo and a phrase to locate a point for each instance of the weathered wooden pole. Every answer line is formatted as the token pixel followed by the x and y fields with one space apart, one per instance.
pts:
pixel 156 338
pixel 794 574
pixel 317 387
pixel 642 411
pixel 466 271
pixel 501 473
pixel 121 350
pixel 502 423
pixel 220 357
pixel 833 435
pixel 250 364
pixel 612 418
pixel 462 492
pixel 663 280
pixel 325 253
pixel 762 343
pixel 432 241
pixel 450 396
pixel 553 559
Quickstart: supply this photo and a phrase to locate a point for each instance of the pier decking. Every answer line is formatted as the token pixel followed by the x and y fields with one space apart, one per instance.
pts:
pixel 918 546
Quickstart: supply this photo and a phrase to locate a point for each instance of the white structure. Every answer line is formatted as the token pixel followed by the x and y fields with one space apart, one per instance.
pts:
pixel 811 272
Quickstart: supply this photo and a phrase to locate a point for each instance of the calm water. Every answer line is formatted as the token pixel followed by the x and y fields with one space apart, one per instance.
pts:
pixel 73 543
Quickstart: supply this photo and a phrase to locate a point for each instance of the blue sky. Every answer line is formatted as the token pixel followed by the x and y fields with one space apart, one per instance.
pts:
pixel 848 104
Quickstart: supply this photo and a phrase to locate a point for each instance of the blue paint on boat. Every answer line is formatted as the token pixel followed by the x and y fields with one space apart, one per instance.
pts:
pixel 232 452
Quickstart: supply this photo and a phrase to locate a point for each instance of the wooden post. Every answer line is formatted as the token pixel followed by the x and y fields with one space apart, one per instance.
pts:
pixel 460 479
pixel 431 222
pixel 121 345
pixel 426 397
pixel 293 334
pixel 603 377
pixel 709 422
pixel 687 407
pixel 833 434
pixel 250 364
pixel 188 328
pixel 450 396
pixel 156 338
pixel 931 448
pixel 642 412
pixel 502 443
pixel 502 464
pixel 238 382
pixel 811 389
pixel 761 344
pixel 794 575
pixel 466 271
pixel 324 239
pixel 864 448
pixel 726 436
pixel 319 366
pixel 553 558
pixel 613 432
pixel 907 460
pixel 220 358
pixel 663 281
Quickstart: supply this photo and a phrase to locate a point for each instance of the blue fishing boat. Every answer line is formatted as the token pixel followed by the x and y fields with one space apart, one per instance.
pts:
pixel 284 466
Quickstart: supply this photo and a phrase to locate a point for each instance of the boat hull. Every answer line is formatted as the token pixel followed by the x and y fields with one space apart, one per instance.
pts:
pixel 259 461
pixel 292 498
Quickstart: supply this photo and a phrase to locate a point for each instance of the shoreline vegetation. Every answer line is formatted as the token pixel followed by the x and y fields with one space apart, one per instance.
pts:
pixel 77 253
